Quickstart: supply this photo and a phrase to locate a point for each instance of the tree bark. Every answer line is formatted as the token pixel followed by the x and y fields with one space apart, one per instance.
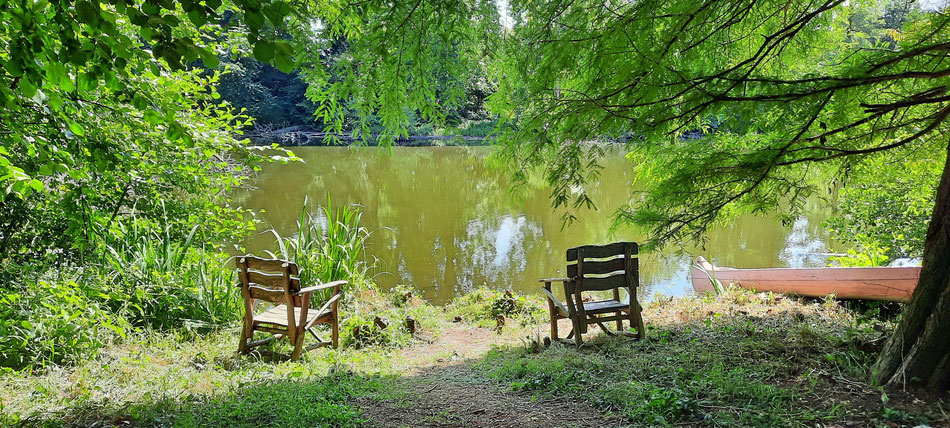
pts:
pixel 918 353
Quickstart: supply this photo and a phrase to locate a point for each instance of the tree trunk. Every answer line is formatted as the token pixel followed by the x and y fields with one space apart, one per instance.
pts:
pixel 918 353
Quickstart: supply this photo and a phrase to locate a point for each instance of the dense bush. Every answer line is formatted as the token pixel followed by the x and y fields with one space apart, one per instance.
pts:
pixel 888 205
pixel 56 317
pixel 57 314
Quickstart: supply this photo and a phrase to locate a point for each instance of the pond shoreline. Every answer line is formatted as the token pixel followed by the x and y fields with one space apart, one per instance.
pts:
pixel 298 136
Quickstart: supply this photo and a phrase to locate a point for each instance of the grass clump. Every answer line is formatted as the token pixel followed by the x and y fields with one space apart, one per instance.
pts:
pixel 737 359
pixel 382 318
pixel 482 306
pixel 283 403
pixel 329 245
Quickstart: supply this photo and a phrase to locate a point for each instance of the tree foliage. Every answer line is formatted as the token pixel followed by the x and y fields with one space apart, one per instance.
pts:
pixel 886 202
pixel 775 86
pixel 103 115
pixel 273 97
pixel 401 59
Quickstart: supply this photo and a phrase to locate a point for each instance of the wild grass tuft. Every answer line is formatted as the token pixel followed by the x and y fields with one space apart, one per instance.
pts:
pixel 328 245
pixel 483 305
pixel 165 283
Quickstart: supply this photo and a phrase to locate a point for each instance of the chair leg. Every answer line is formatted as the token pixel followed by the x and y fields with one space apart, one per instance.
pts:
pixel 335 332
pixel 242 345
pixel 578 340
pixel 554 334
pixel 619 321
pixel 247 332
pixel 298 346
pixel 637 318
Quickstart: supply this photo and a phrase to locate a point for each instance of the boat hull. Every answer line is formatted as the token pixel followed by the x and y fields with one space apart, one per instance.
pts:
pixel 866 283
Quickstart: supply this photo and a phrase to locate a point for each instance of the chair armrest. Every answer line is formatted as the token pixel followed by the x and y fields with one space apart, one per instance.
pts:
pixel 555 279
pixel 324 308
pixel 313 288
pixel 564 312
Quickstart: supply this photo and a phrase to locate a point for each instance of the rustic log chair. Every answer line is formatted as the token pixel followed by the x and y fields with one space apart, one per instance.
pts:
pixel 277 281
pixel 597 268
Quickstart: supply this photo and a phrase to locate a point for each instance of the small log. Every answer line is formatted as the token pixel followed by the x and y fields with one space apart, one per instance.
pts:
pixel 381 322
pixel 359 333
pixel 458 318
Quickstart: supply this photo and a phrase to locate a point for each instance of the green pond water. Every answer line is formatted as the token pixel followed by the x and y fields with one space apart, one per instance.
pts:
pixel 444 222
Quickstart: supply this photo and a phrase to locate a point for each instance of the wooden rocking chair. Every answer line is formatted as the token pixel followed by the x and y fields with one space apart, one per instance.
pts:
pixel 276 281
pixel 597 268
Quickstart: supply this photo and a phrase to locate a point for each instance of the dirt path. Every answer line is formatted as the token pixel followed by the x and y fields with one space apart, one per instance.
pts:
pixel 442 390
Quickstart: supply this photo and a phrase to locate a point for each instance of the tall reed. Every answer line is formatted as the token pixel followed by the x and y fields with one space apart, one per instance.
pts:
pixel 168 283
pixel 328 246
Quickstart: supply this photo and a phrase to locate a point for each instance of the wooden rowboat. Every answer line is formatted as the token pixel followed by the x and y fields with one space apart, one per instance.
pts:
pixel 866 283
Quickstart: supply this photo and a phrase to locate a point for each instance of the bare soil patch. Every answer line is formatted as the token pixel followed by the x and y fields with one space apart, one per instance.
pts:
pixel 441 390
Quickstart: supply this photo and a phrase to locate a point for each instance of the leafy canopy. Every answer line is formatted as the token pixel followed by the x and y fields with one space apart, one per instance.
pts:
pixel 103 114
pixel 724 105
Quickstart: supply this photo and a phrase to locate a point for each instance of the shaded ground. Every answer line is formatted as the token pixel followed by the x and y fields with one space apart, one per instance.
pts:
pixel 737 360
pixel 450 398
pixel 444 391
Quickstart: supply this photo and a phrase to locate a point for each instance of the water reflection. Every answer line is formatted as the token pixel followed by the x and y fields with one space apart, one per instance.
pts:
pixel 444 223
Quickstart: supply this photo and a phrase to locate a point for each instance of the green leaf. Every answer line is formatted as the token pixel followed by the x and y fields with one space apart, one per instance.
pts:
pixel 276 12
pixel 55 71
pixel 197 16
pixel 284 63
pixel 283 48
pixel 264 50
pixel 284 56
pixel 27 88
pixel 76 129
pixel 87 12
pixel 254 19
pixel 152 117
pixel 208 57
pixel 14 67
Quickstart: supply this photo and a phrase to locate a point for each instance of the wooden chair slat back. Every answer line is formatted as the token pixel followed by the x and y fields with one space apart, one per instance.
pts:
pixel 618 280
pixel 599 267
pixel 269 280
pixel 601 251
pixel 269 265
pixel 604 267
pixel 266 294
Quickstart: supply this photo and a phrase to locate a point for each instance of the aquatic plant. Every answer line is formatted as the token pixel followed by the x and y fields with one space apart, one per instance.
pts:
pixel 328 246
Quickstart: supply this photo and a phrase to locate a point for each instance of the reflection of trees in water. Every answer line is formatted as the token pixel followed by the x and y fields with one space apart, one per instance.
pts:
pixel 444 222
pixel 803 247
pixel 495 251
